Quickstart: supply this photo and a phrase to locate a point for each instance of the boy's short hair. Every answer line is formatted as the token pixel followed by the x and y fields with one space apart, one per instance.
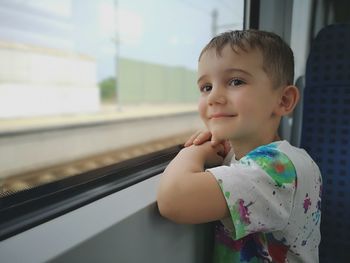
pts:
pixel 278 59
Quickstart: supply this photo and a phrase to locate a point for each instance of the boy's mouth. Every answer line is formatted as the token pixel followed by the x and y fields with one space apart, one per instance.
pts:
pixel 221 115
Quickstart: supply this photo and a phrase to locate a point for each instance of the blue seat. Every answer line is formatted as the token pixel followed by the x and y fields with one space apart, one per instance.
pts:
pixel 325 134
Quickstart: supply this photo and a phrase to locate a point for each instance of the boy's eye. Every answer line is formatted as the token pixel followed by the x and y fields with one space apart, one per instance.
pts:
pixel 236 82
pixel 205 88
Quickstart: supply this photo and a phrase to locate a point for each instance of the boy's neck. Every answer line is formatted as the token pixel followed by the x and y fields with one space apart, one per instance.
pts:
pixel 241 148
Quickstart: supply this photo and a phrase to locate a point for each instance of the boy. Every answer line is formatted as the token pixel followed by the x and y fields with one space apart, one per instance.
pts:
pixel 265 192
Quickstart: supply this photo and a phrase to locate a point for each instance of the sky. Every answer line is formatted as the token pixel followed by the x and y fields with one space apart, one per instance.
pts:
pixel 167 32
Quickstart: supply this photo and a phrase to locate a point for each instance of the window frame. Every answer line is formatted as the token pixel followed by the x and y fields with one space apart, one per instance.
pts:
pixel 29 208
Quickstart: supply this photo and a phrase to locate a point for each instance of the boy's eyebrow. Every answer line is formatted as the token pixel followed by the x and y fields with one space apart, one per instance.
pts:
pixel 229 70
pixel 202 77
pixel 239 70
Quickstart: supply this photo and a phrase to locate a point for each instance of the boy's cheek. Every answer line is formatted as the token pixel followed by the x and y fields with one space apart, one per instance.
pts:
pixel 202 110
pixel 200 104
pixel 206 122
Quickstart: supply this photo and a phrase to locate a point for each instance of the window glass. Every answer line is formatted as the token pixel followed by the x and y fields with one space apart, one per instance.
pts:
pixel 84 84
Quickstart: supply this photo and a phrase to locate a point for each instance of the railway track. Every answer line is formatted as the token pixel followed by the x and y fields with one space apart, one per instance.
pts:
pixel 29 180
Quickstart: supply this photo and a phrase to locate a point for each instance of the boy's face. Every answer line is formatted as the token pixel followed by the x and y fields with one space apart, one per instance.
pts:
pixel 237 99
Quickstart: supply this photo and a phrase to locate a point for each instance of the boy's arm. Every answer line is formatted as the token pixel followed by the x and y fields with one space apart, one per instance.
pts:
pixel 188 194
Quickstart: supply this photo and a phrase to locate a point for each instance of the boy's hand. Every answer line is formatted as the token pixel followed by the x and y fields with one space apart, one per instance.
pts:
pixel 201 137
pixel 198 138
pixel 207 154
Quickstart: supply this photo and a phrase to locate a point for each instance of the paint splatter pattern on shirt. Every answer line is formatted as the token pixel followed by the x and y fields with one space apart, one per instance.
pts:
pixel 256 247
pixel 273 219
pixel 275 163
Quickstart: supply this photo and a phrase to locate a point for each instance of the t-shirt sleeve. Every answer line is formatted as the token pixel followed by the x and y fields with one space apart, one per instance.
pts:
pixel 259 191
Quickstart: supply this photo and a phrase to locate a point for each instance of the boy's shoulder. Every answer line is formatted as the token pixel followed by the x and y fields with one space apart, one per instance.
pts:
pixel 282 146
pixel 280 161
pixel 279 157
pixel 284 159
pixel 278 150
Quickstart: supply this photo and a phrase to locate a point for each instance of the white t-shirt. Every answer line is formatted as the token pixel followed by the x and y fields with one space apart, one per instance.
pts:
pixel 274 198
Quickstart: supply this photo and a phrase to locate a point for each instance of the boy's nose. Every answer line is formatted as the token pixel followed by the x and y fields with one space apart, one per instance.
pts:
pixel 217 96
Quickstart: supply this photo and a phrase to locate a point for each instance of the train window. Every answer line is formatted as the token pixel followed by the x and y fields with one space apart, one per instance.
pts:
pixel 87 84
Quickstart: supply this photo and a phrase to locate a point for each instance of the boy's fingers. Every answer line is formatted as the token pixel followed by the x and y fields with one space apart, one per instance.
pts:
pixel 227 146
pixel 221 150
pixel 202 137
pixel 198 138
pixel 189 142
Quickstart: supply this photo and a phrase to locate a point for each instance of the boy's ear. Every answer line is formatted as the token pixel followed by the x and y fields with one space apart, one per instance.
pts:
pixel 289 98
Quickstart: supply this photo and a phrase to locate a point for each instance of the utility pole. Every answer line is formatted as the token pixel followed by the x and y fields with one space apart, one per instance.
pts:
pixel 214 22
pixel 117 49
